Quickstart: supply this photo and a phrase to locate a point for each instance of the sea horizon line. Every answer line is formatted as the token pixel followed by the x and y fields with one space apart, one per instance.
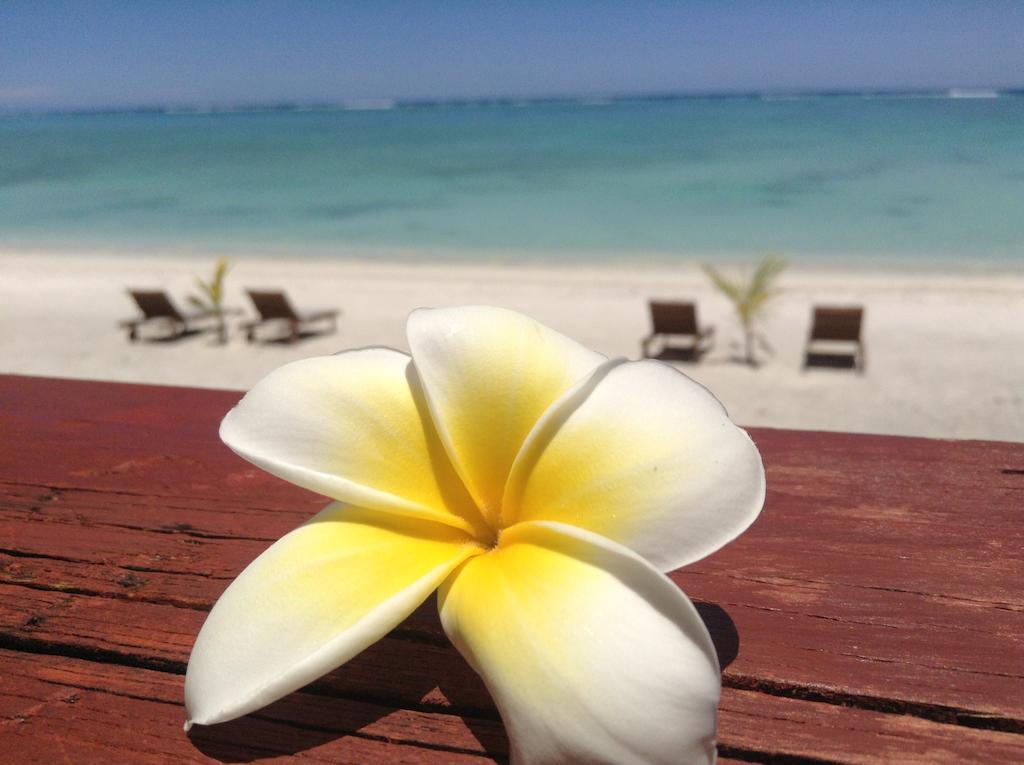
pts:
pixel 387 104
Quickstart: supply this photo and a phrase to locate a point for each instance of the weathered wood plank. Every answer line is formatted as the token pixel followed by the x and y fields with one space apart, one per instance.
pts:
pixel 159 636
pixel 823 622
pixel 789 728
pixel 100 713
pixel 38 691
pixel 794 634
pixel 884 574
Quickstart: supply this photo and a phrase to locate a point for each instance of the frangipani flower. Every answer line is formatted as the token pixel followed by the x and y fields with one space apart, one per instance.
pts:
pixel 539 487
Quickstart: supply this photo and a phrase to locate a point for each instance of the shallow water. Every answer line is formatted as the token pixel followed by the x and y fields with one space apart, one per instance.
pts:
pixel 831 179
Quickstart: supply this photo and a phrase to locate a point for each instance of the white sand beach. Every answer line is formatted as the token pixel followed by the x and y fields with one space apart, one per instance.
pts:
pixel 945 351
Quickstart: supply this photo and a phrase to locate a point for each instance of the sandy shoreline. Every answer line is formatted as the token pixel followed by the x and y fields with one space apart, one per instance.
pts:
pixel 945 349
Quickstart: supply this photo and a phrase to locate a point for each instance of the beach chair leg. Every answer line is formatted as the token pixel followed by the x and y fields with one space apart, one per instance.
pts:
pixel 293 333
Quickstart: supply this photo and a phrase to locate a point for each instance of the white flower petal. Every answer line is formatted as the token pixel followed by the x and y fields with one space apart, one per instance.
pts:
pixel 313 600
pixel 645 456
pixel 591 655
pixel 354 427
pixel 489 374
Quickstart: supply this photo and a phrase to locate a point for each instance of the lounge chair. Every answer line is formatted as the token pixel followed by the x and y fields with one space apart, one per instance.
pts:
pixel 835 338
pixel 675 325
pixel 274 308
pixel 157 308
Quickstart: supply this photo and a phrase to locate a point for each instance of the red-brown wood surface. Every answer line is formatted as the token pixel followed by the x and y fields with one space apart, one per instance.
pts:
pixel 873 614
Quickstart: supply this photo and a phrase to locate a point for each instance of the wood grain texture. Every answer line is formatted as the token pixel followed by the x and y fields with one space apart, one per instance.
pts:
pixel 872 614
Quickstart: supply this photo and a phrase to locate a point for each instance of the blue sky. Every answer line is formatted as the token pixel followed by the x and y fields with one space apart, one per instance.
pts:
pixel 114 54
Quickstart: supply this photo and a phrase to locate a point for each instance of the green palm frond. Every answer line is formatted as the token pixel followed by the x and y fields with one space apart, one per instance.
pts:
pixel 211 293
pixel 749 297
pixel 761 287
pixel 217 285
pixel 211 296
pixel 730 289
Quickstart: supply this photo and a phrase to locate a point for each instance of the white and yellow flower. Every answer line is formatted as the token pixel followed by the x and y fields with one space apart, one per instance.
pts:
pixel 540 488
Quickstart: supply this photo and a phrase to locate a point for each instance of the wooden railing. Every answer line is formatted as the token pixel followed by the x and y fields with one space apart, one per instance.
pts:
pixel 874 613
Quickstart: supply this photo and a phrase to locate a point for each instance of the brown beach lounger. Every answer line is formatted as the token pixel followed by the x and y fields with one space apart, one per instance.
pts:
pixel 274 308
pixel 676 321
pixel 835 338
pixel 157 308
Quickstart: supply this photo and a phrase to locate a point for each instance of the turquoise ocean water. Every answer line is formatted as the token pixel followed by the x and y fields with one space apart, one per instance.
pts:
pixel 841 179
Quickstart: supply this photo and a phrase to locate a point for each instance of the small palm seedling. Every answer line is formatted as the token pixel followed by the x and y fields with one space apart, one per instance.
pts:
pixel 211 297
pixel 749 298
